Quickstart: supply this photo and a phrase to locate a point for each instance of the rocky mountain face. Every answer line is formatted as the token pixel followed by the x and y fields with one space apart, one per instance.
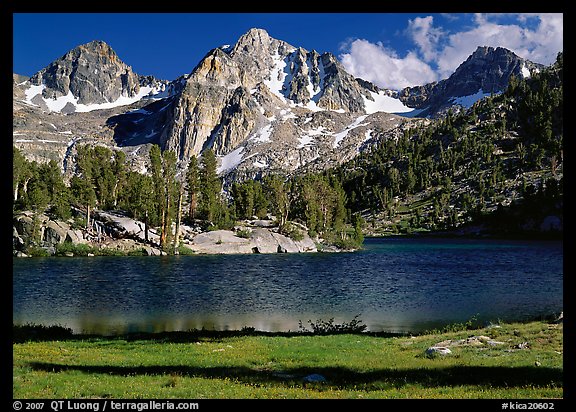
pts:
pixel 91 73
pixel 260 91
pixel 90 76
pixel 262 105
pixel 485 72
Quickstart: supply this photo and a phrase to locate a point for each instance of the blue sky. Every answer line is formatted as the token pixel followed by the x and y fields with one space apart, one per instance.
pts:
pixel 393 50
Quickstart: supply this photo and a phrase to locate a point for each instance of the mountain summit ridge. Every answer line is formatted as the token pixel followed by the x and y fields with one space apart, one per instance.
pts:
pixel 262 104
pixel 486 71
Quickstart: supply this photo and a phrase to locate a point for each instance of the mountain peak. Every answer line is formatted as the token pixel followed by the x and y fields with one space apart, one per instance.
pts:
pixel 489 52
pixel 493 67
pixel 257 42
pixel 97 46
pixel 97 50
pixel 483 50
pixel 487 70
pixel 91 73
pixel 256 32
pixel 253 37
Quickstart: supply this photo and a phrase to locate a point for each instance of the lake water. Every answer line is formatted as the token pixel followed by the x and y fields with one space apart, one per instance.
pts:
pixel 394 285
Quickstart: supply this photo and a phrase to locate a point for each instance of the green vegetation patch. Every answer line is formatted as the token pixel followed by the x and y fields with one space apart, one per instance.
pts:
pixel 526 363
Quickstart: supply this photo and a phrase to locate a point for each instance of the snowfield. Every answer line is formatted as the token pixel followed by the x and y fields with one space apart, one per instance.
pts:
pixel 338 137
pixel 468 101
pixel 56 105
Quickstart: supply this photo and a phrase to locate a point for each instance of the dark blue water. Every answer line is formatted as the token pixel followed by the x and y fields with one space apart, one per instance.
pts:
pixel 394 284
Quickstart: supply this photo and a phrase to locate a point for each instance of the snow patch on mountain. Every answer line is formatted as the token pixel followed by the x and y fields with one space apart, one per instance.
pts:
pixel 259 164
pixel 367 135
pixel 310 135
pixel 263 134
pixel 384 103
pixel 468 101
pixel 231 160
pixel 275 82
pixel 338 137
pixel 287 114
pixel 525 71
pixel 56 105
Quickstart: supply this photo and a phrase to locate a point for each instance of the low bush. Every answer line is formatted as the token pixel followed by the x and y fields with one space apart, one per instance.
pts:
pixel 322 327
pixel 33 332
pixel 77 249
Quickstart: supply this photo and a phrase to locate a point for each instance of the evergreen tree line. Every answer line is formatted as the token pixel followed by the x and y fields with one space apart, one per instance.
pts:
pixel 498 140
pixel 162 198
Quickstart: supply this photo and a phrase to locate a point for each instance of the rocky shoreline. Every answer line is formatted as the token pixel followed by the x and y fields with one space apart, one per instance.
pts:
pixel 115 233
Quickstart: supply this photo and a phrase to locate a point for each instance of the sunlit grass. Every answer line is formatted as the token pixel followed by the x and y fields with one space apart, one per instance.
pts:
pixel 262 366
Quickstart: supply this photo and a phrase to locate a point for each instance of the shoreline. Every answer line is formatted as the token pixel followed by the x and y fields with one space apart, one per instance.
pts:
pixel 470 236
pixel 38 332
pixel 143 249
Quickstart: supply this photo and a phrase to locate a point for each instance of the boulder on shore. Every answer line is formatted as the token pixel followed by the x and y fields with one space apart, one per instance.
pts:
pixel 261 240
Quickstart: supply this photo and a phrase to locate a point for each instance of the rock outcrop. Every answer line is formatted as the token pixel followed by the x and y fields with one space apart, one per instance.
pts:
pixel 260 240
pixel 114 231
pixel 40 229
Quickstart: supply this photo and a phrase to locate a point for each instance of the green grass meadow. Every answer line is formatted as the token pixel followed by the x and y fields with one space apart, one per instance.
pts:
pixel 527 365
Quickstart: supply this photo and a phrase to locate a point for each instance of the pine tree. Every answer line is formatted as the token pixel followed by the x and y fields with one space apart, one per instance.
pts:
pixel 340 212
pixel 58 192
pixel 120 173
pixel 244 197
pixel 261 201
pixel 170 195
pixel 82 185
pixel 38 196
pixel 102 175
pixel 281 198
pixel 138 198
pixel 158 186
pixel 20 170
pixel 210 186
pixel 193 187
pixel 83 191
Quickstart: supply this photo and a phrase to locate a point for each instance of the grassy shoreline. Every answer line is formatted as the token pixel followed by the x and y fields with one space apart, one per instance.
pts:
pixel 522 361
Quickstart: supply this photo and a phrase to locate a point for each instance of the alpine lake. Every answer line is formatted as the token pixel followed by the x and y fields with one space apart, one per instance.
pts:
pixel 397 285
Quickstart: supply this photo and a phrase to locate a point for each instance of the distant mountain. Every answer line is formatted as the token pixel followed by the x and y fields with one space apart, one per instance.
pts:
pixel 485 72
pixel 262 105
pixel 89 77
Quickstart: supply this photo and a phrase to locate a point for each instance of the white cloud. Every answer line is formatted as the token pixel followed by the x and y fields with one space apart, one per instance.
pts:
pixel 536 37
pixel 376 63
pixel 425 36
pixel 540 44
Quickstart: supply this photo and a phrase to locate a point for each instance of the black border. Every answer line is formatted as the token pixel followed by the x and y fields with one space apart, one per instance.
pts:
pixel 381 6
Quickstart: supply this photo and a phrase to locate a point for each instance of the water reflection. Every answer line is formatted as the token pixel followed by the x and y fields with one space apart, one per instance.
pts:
pixel 395 285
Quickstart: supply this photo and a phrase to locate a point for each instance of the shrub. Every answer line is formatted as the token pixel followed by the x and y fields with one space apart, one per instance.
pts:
pixel 243 233
pixel 36 251
pixel 470 324
pixel 33 332
pixel 77 249
pixel 183 250
pixel 108 251
pixel 138 252
pixel 292 232
pixel 322 327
